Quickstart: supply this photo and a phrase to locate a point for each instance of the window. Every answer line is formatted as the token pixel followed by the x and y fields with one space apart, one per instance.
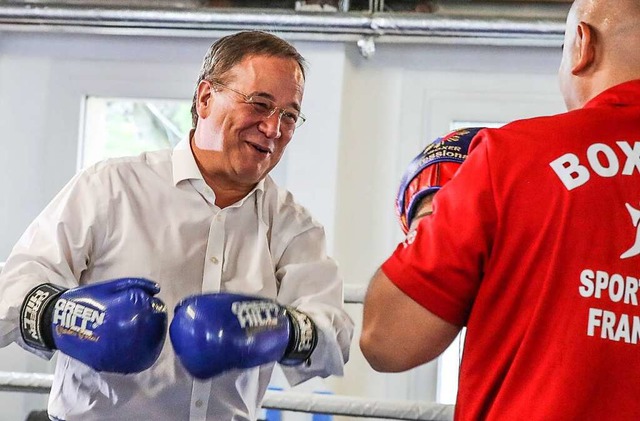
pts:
pixel 114 127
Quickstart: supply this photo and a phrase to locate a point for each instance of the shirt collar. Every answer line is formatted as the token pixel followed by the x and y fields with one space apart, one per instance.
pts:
pixel 186 168
pixel 623 94
pixel 184 163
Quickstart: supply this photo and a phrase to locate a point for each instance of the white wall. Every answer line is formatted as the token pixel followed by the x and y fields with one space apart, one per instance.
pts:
pixel 367 119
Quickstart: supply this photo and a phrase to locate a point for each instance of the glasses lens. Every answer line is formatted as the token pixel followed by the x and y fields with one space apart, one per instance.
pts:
pixel 262 106
pixel 266 108
pixel 301 119
pixel 290 118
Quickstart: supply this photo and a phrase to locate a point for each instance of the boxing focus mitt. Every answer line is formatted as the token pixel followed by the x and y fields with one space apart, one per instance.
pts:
pixel 430 170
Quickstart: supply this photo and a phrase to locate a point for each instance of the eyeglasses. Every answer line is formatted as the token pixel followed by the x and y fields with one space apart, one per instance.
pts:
pixel 265 108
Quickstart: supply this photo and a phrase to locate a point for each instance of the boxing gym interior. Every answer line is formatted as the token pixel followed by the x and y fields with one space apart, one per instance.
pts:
pixel 85 80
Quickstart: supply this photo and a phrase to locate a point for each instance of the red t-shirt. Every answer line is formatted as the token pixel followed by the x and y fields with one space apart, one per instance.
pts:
pixel 535 247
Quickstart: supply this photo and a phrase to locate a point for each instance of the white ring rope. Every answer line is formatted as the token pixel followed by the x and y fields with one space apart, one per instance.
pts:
pixel 354 293
pixel 25 382
pixel 283 400
pixel 357 406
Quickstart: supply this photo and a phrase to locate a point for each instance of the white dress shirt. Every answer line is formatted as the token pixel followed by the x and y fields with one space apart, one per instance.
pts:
pixel 153 216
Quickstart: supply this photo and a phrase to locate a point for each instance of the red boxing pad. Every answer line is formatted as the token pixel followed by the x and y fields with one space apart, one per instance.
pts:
pixel 430 170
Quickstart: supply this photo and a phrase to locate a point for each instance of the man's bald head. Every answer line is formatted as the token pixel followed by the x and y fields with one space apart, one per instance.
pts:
pixel 600 48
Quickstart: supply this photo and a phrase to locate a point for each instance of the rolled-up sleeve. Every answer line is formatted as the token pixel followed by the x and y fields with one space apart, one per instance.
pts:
pixel 310 281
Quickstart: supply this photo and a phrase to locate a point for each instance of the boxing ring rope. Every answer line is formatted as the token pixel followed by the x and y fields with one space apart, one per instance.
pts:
pixel 353 293
pixel 351 406
pixel 357 407
pixel 283 400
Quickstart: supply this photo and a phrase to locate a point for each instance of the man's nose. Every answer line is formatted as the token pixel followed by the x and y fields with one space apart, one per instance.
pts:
pixel 270 125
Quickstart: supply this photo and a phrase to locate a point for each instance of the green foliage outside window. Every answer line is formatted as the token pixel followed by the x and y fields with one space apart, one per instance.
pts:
pixel 115 127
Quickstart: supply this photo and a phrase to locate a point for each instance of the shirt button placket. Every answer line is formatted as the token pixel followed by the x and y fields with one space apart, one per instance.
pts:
pixel 200 400
pixel 215 247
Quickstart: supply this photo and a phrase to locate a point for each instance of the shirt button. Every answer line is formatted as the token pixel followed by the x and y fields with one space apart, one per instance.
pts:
pixel 219 218
pixel 214 260
pixel 198 403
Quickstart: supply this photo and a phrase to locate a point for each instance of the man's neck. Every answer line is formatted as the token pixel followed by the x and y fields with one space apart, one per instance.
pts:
pixel 227 192
pixel 224 196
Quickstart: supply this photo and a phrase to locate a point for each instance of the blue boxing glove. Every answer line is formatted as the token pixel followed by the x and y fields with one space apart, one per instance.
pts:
pixel 213 333
pixel 115 326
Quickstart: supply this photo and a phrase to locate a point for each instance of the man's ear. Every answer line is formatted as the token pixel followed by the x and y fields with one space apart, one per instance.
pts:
pixel 204 98
pixel 585 48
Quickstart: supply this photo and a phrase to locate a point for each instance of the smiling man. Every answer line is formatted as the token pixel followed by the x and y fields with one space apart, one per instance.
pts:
pixel 240 266
pixel 245 117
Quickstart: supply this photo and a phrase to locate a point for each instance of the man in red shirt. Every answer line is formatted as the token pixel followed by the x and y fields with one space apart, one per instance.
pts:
pixel 534 246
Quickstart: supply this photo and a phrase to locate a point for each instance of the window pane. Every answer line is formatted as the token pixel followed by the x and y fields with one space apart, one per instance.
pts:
pixel 116 127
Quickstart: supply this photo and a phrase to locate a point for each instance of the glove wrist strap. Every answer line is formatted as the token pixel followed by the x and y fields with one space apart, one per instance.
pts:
pixel 303 340
pixel 35 316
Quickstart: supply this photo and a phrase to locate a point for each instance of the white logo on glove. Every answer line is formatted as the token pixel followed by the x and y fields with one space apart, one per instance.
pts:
pixel 252 314
pixel 73 318
pixel 306 332
pixel 32 311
